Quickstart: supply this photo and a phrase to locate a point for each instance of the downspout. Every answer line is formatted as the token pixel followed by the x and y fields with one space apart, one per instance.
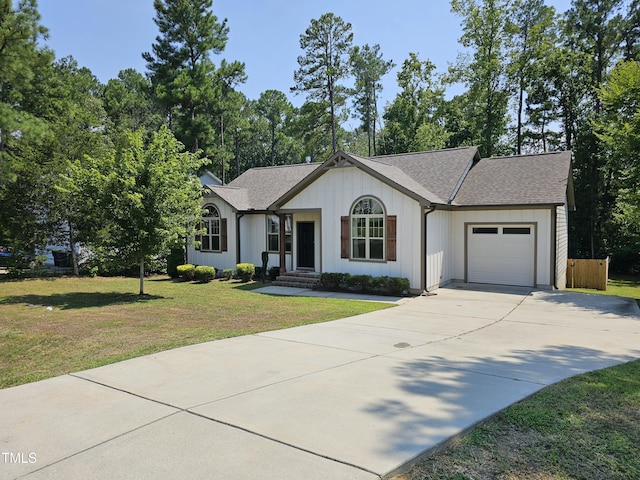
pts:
pixel 554 246
pixel 238 217
pixel 424 249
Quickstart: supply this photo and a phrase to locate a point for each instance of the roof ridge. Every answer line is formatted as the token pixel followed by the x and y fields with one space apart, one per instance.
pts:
pixel 423 152
pixel 268 167
pixel 522 155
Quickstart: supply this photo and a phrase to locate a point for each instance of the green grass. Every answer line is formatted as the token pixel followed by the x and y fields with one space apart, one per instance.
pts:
pixel 618 285
pixel 97 321
pixel 584 428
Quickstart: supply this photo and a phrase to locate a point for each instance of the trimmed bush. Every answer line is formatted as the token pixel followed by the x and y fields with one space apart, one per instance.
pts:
pixel 364 283
pixel 204 273
pixel 227 273
pixel 245 271
pixel 186 272
pixel 397 286
pixel 175 258
pixel 332 281
pixel 274 272
pixel 359 282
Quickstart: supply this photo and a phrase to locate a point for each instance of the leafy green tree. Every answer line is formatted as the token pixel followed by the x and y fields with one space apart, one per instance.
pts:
pixel 593 35
pixel 276 109
pixel 130 104
pixel 619 130
pixel 413 121
pixel 185 79
pixel 368 67
pixel 326 44
pixel 25 68
pixel 152 196
pixel 531 26
pixel 484 71
pixel 76 132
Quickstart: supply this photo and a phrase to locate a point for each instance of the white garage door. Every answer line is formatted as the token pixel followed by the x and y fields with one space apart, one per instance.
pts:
pixel 501 254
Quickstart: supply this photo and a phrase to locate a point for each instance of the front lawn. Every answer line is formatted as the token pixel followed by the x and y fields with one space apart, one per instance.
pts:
pixel 618 285
pixel 584 428
pixel 50 327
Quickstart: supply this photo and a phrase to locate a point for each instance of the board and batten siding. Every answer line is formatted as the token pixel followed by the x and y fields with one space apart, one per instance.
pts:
pixel 540 217
pixel 219 260
pixel 562 246
pixel 334 193
pixel 439 269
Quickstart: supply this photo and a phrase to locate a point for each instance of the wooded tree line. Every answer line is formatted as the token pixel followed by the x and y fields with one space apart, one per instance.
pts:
pixel 531 80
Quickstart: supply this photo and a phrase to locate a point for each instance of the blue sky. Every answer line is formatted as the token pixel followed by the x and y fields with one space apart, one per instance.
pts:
pixel 110 35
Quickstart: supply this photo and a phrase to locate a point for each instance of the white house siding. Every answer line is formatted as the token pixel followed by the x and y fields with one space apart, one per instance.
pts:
pixel 334 193
pixel 439 248
pixel 253 239
pixel 219 260
pixel 562 246
pixel 540 217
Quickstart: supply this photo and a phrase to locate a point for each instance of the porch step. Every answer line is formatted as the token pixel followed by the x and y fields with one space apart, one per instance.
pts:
pixel 298 280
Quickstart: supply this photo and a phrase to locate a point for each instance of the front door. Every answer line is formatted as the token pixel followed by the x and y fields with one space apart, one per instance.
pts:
pixel 306 245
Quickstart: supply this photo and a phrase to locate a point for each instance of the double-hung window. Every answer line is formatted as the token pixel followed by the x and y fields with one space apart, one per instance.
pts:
pixel 273 233
pixel 368 230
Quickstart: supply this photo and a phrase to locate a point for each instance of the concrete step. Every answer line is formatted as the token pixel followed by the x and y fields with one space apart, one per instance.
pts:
pixel 298 280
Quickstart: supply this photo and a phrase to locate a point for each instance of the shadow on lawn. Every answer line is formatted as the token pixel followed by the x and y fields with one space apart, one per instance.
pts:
pixel 75 300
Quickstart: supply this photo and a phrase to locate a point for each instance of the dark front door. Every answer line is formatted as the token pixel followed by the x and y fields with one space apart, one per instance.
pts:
pixel 306 245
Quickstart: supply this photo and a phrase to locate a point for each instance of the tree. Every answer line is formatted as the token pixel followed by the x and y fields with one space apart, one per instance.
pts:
pixel 368 68
pixel 185 79
pixel 76 132
pixel 152 196
pixel 20 58
pixel 531 26
pixel 593 34
pixel 619 130
pixel 326 44
pixel 130 104
pixel 413 120
pixel 25 70
pixel 274 107
pixel 484 72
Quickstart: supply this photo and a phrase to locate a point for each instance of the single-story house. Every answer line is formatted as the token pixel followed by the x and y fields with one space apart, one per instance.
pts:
pixel 433 217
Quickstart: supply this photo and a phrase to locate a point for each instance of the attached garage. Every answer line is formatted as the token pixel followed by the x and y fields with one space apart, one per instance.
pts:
pixel 501 254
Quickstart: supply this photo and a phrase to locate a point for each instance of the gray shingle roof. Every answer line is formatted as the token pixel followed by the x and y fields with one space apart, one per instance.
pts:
pixel 521 180
pixel 258 188
pixel 399 177
pixel 439 171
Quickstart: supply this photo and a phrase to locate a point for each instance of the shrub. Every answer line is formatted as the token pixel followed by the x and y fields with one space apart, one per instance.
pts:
pixel 245 271
pixel 175 258
pixel 364 283
pixel 332 281
pixel 204 273
pixel 359 282
pixel 274 272
pixel 397 286
pixel 227 273
pixel 186 272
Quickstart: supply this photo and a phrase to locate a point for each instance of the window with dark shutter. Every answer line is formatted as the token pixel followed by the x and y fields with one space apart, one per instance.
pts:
pixel 344 237
pixel 391 238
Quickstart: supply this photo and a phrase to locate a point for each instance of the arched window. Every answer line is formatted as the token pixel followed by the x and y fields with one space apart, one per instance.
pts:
pixel 368 230
pixel 210 239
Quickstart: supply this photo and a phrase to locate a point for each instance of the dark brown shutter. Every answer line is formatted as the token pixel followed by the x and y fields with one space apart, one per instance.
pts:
pixel 198 239
pixel 391 238
pixel 344 237
pixel 223 234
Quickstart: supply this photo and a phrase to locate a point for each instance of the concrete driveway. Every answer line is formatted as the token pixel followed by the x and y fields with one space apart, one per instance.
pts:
pixel 356 398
